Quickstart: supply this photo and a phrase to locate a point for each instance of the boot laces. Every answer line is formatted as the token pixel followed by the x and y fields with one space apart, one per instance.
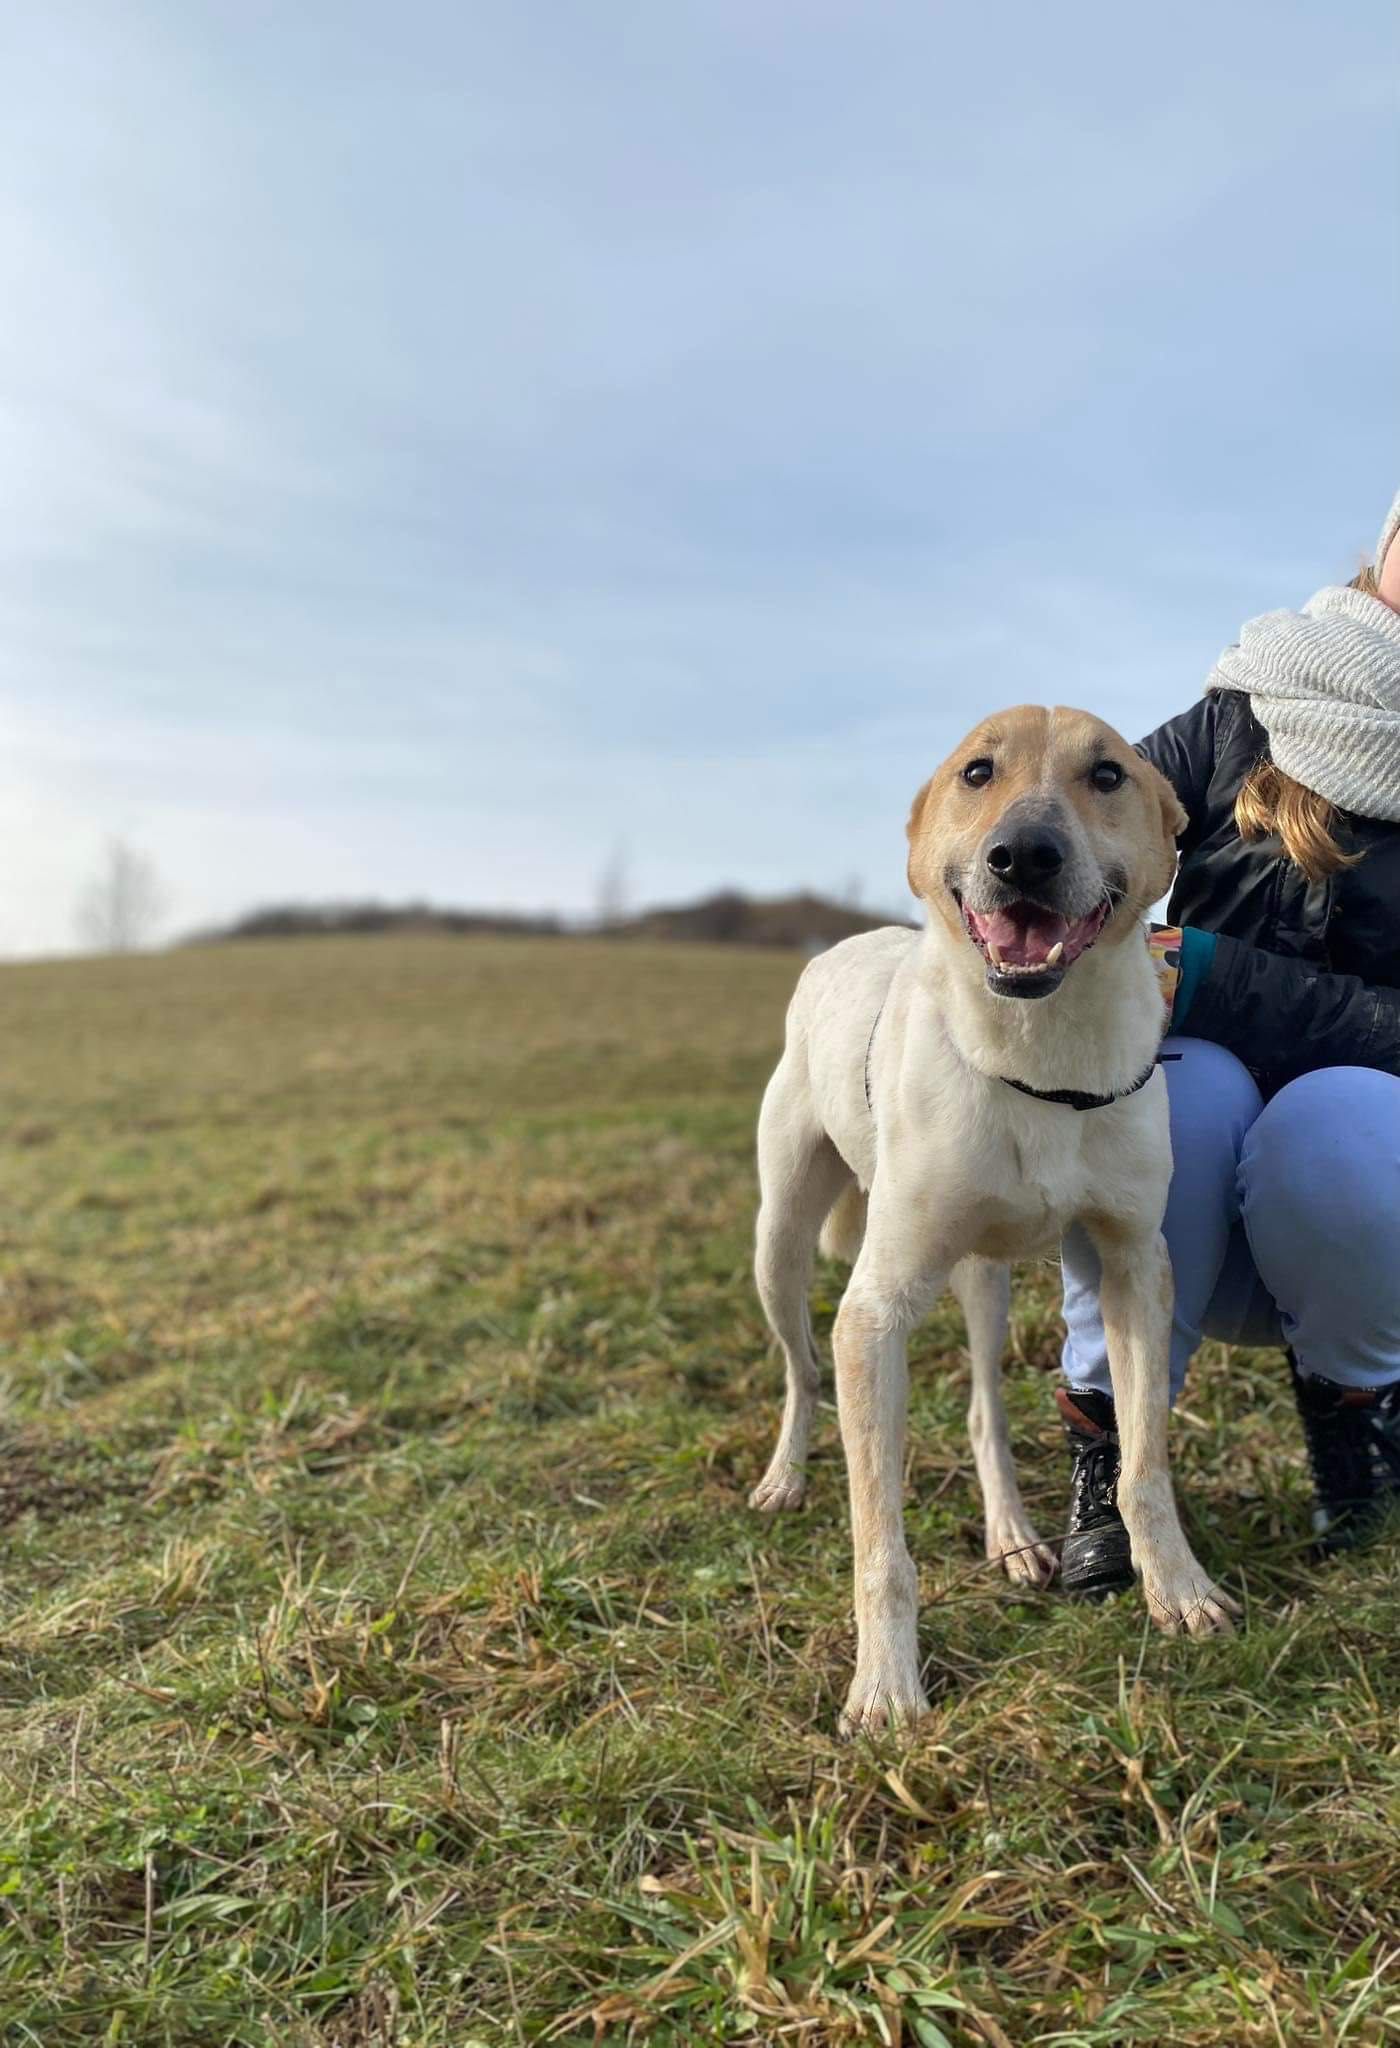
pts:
pixel 1096 1469
pixel 1337 1452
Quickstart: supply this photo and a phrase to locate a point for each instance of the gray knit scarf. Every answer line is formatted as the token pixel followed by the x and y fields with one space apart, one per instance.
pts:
pixel 1324 683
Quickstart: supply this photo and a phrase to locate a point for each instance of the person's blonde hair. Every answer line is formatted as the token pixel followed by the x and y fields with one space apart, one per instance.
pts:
pixel 1270 801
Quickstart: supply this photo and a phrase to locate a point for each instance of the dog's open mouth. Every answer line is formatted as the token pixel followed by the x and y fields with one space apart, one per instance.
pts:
pixel 1025 938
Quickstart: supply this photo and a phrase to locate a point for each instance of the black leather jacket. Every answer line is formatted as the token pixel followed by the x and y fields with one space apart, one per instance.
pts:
pixel 1305 974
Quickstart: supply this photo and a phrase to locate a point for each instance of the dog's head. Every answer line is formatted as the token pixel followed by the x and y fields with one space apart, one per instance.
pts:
pixel 1042 835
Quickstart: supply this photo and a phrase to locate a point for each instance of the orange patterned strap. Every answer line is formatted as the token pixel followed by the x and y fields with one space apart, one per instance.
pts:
pixel 1164 944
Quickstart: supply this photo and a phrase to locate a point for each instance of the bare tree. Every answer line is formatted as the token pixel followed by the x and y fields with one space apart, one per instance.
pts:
pixel 612 889
pixel 121 906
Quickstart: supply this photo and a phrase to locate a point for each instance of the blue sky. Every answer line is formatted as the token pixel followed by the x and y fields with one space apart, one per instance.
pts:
pixel 440 443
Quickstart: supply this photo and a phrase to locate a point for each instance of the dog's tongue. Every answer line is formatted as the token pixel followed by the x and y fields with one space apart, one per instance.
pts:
pixel 1023 935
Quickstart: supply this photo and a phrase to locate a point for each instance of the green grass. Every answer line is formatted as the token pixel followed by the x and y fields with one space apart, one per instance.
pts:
pixel 388 1655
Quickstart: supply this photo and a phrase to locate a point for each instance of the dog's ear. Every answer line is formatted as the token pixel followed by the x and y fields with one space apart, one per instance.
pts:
pixel 1173 820
pixel 920 881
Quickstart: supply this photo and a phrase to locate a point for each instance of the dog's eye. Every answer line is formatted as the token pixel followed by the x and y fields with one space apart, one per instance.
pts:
pixel 978 774
pixel 1106 775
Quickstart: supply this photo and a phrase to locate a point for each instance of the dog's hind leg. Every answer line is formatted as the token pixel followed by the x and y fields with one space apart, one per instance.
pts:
pixel 801 1174
pixel 983 1289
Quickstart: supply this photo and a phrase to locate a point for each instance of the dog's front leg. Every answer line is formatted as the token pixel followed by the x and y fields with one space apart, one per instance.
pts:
pixel 1136 1298
pixel 983 1288
pixel 872 1394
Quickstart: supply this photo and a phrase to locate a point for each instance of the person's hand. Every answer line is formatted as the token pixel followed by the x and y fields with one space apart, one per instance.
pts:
pixel 1164 944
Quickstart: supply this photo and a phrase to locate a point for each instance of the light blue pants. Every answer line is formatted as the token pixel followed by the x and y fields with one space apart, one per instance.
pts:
pixel 1283 1222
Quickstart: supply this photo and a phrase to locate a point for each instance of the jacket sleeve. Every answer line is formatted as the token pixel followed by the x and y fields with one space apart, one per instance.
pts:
pixel 1285 1017
pixel 1184 751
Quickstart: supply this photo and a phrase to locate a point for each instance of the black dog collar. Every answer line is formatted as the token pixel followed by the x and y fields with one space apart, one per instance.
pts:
pixel 1075 1098
pixel 1068 1098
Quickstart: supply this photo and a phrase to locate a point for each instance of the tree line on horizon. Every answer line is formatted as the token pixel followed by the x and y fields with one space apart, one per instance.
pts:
pixel 727 916
pixel 123 907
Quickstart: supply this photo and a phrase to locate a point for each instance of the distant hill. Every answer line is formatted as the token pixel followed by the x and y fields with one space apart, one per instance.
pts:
pixel 731 918
pixel 805 921
pixel 328 920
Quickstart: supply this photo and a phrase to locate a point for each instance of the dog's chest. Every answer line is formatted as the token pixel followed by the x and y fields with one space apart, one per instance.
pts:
pixel 1027 1184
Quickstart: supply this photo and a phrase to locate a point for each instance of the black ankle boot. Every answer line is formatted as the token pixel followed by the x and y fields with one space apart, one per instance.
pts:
pixel 1353 1440
pixel 1096 1559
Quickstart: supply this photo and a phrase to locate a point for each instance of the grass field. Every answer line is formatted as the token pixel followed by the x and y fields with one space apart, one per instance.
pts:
pixel 388 1655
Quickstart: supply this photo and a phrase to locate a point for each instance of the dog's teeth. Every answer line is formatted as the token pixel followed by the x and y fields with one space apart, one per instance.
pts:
pixel 993 955
pixel 1052 958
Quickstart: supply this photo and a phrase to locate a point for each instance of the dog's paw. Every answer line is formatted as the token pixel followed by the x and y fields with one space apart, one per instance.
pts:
pixel 882 1700
pixel 782 1486
pixel 1023 1556
pixel 1188 1603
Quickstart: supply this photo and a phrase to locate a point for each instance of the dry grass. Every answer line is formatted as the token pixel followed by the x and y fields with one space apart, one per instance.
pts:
pixel 388 1655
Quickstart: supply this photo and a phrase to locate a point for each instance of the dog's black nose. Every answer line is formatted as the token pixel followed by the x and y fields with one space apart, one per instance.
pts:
pixel 1026 858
